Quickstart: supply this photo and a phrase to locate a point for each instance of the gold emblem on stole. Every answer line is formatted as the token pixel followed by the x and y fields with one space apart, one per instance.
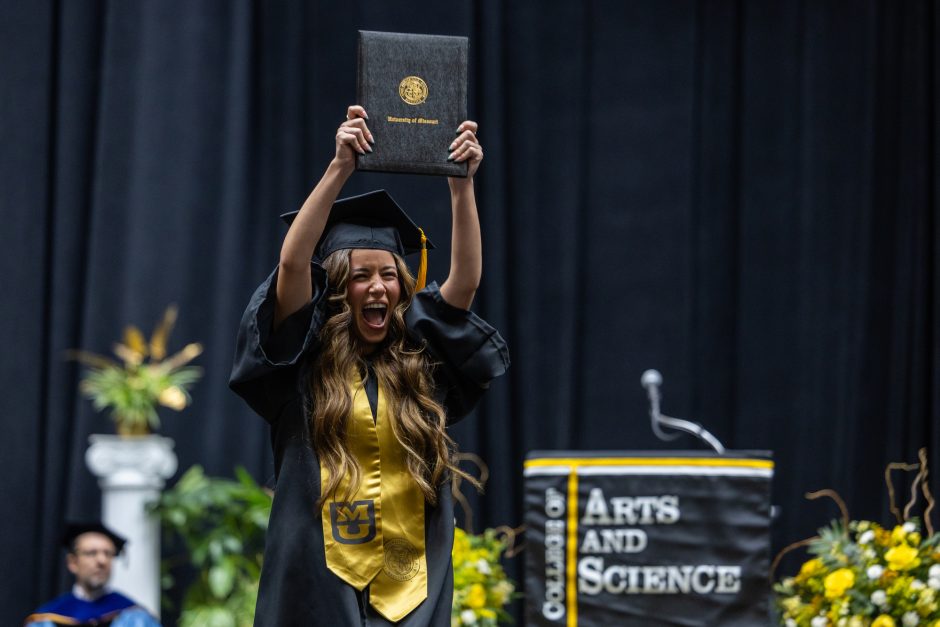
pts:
pixel 413 90
pixel 401 559
pixel 353 523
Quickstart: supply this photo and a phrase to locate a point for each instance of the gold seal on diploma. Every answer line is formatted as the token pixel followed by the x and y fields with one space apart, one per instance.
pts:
pixel 413 90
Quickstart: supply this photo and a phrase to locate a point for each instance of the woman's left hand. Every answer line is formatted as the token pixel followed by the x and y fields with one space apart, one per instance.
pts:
pixel 467 147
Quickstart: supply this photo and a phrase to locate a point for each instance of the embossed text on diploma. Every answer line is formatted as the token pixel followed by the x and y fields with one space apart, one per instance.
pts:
pixel 396 120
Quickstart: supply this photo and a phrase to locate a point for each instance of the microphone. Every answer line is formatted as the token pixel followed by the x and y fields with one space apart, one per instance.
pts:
pixel 651 380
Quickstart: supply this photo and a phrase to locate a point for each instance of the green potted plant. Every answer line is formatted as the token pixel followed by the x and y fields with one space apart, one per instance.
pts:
pixel 143 378
pixel 221 524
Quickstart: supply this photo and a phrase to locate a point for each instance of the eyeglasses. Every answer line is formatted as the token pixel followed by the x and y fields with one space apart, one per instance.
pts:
pixel 106 553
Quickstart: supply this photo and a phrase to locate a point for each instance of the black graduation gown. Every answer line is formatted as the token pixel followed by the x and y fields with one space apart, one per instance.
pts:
pixel 296 586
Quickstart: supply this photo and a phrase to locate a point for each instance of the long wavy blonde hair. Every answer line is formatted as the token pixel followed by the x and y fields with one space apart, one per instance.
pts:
pixel 404 374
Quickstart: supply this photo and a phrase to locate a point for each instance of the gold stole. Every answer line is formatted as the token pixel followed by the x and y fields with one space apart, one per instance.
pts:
pixel 377 537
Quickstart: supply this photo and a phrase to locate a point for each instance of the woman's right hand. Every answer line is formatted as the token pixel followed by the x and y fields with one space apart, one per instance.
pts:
pixel 353 136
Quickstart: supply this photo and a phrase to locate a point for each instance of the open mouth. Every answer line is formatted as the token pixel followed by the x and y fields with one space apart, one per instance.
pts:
pixel 374 314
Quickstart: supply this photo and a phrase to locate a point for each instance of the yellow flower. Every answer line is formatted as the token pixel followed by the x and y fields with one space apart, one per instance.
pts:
pixel 461 542
pixel 883 621
pixel 160 335
pixel 487 613
pixel 501 592
pixel 476 596
pixel 837 582
pixel 810 568
pixel 902 557
pixel 898 534
pixel 792 604
pixel 134 340
pixel 173 397
pixel 914 538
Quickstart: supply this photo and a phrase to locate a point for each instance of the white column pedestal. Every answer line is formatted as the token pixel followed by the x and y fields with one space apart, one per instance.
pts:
pixel 132 472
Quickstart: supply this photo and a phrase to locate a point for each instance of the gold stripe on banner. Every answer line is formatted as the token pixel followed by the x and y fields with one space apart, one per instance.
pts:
pixel 577 462
pixel 572 565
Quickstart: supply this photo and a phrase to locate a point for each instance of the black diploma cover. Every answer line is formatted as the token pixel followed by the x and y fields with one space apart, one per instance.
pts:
pixel 414 88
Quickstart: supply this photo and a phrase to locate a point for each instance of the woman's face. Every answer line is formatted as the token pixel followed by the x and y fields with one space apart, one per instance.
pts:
pixel 372 292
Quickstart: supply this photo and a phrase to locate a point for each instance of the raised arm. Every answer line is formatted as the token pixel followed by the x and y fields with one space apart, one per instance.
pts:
pixel 466 256
pixel 293 278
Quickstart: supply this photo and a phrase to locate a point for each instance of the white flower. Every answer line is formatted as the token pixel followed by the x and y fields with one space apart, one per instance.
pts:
pixel 910 619
pixel 819 621
pixel 934 582
pixel 917 585
pixel 909 527
pixel 879 597
pixel 790 623
pixel 483 567
pixel 934 571
pixel 875 571
pixel 504 587
pixel 866 537
pixel 467 617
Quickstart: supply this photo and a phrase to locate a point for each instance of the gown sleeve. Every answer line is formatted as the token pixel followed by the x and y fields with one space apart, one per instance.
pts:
pixel 264 371
pixel 468 352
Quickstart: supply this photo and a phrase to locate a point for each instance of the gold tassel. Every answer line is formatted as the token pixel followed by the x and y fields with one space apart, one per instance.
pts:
pixel 423 265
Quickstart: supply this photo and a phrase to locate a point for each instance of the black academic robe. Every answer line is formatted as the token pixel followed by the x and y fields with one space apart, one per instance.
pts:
pixel 296 586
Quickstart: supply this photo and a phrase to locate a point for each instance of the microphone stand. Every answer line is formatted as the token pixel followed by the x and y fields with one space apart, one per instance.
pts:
pixel 651 380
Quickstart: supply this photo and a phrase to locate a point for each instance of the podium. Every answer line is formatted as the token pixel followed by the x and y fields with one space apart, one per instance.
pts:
pixel 647 538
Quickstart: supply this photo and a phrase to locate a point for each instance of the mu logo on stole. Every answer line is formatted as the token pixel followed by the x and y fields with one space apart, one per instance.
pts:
pixel 353 523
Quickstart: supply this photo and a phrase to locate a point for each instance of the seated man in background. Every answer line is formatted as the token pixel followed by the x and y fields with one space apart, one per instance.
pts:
pixel 91 548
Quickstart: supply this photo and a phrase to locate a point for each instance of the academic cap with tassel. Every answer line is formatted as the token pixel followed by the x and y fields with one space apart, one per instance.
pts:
pixel 372 220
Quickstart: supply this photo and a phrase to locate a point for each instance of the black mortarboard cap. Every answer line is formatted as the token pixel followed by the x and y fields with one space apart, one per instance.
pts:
pixel 75 529
pixel 371 220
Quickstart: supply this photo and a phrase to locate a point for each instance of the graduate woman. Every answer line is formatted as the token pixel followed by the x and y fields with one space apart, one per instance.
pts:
pixel 359 371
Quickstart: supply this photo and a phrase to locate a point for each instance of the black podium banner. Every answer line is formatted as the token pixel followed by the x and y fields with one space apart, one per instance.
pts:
pixel 647 539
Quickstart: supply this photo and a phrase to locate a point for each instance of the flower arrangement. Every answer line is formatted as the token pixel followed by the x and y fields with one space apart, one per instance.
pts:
pixel 144 378
pixel 867 575
pixel 481 588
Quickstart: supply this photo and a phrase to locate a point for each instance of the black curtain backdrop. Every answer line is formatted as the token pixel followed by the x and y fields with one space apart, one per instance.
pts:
pixel 741 194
